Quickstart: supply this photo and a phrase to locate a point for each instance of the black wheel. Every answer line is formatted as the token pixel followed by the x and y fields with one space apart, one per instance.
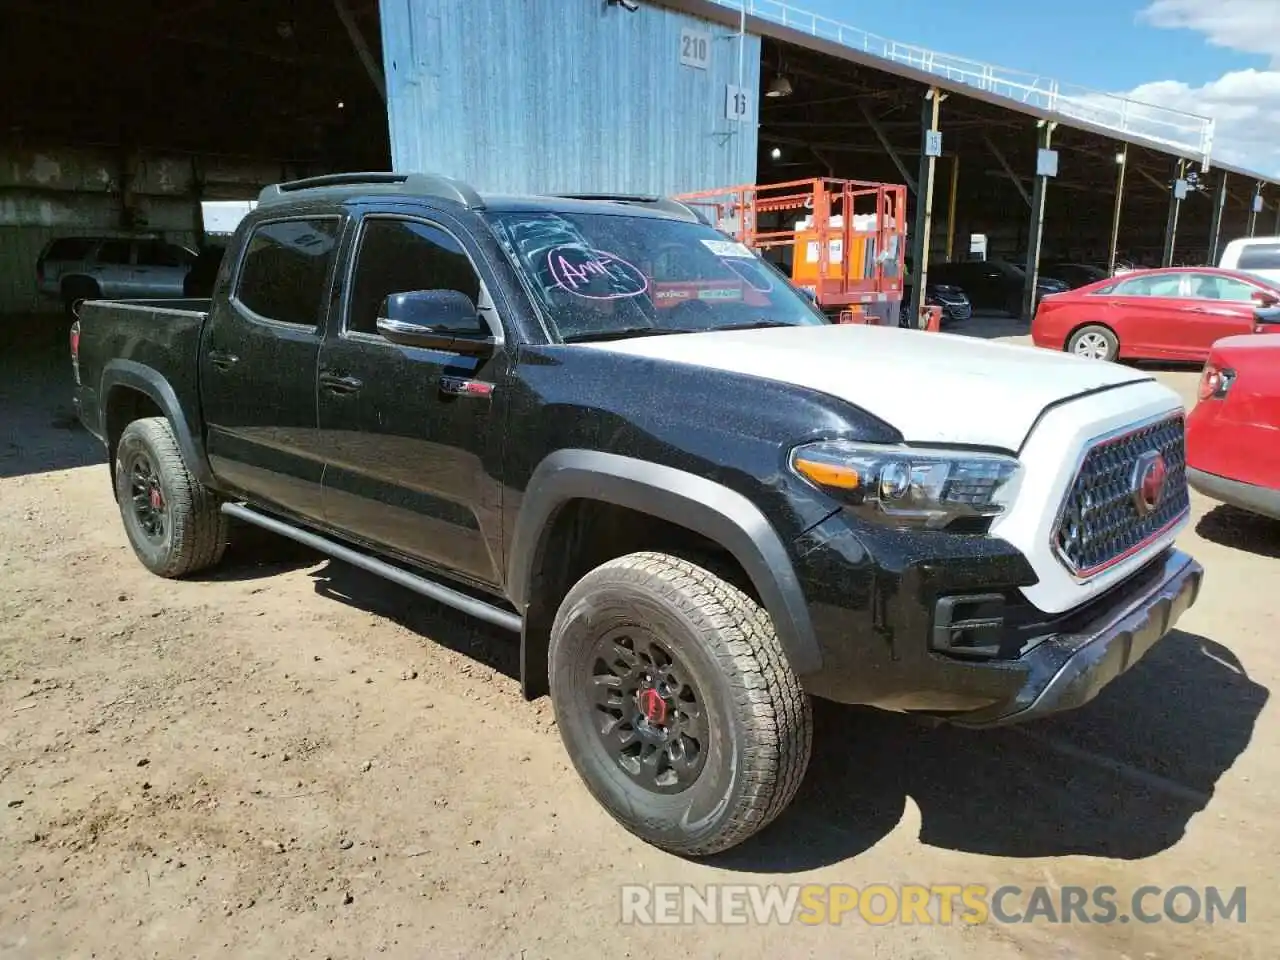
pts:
pixel 1095 342
pixel 677 704
pixel 172 521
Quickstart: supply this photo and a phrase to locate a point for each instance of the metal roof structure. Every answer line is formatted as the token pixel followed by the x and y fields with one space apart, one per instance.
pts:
pixel 1175 132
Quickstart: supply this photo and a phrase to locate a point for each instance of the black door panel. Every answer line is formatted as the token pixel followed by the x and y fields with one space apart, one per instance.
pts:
pixel 258 365
pixel 408 460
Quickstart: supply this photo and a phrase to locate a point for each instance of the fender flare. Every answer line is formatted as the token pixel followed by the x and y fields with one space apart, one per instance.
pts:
pixel 146 380
pixel 696 503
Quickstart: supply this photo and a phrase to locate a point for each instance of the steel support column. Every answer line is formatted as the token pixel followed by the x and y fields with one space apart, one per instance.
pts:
pixel 951 206
pixel 1044 141
pixel 1175 207
pixel 878 130
pixel 924 204
pixel 1276 229
pixel 1122 162
pixel 1219 204
pixel 1253 208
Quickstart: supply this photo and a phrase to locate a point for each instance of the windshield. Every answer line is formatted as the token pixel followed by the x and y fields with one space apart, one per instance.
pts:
pixel 604 275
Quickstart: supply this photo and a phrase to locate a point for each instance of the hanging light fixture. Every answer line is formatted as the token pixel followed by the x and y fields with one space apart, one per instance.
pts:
pixel 780 87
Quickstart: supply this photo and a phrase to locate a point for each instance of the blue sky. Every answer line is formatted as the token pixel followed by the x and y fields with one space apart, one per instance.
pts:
pixel 1218 58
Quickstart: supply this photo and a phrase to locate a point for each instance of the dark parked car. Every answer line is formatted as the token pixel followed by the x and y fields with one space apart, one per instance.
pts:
pixel 696 501
pixel 953 301
pixel 992 284
pixel 1073 274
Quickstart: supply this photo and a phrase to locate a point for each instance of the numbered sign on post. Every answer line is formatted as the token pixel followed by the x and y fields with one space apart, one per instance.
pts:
pixel 695 48
pixel 737 103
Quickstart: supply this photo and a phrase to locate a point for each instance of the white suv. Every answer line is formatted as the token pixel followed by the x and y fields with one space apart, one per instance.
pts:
pixel 1260 255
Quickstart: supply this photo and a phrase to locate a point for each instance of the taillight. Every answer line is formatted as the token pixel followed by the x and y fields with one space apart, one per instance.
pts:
pixel 1215 382
pixel 75 350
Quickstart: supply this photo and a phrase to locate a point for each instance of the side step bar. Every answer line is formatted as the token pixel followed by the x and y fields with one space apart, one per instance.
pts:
pixel 421 585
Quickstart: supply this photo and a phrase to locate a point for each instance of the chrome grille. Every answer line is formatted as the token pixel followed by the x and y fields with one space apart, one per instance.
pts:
pixel 1101 522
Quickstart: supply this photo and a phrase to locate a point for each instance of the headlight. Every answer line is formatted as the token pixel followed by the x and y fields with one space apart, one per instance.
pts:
pixel 909 486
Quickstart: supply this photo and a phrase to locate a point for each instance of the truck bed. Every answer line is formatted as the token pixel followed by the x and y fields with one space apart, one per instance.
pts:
pixel 122 341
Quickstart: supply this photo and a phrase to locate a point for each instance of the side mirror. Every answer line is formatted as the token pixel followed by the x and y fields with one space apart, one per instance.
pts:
pixel 436 320
pixel 1265 299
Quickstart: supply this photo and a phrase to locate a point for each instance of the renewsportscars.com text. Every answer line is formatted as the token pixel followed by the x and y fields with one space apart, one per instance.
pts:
pixel 882 904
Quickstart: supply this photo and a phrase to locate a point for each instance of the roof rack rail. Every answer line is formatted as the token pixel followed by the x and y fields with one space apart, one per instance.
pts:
pixel 665 204
pixel 416 184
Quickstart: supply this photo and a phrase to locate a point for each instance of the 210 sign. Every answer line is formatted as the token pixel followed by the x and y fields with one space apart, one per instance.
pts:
pixel 695 48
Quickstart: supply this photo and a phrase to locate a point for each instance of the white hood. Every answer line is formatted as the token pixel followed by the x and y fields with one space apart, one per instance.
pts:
pixel 933 387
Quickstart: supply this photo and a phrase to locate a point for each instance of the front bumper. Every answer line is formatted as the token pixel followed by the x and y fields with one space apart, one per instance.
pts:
pixel 1067 670
pixel 1246 496
pixel 938 625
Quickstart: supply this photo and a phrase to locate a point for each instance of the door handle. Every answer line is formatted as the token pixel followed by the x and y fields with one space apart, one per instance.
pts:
pixel 223 360
pixel 337 383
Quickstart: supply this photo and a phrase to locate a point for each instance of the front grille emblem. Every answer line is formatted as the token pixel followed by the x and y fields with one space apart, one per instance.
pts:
pixel 1149 475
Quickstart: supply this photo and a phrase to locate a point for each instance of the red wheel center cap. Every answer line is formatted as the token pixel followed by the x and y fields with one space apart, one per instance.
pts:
pixel 156 502
pixel 653 706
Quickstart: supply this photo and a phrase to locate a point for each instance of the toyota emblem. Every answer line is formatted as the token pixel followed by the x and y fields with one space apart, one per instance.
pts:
pixel 1149 475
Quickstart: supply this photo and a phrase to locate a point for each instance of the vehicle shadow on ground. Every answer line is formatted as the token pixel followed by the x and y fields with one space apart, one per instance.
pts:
pixel 1119 778
pixel 39 432
pixel 254 553
pixel 1229 527
pixel 488 645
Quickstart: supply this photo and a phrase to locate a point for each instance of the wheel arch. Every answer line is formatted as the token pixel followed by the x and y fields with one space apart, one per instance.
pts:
pixel 127 387
pixel 704 508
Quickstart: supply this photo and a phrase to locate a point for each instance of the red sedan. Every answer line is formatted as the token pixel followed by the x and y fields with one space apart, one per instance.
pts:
pixel 1171 314
pixel 1233 432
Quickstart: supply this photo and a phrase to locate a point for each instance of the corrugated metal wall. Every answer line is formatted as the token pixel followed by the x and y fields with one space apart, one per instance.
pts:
pixel 564 95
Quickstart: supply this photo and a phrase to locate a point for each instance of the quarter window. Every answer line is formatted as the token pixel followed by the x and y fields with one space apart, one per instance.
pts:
pixel 285 274
pixel 399 256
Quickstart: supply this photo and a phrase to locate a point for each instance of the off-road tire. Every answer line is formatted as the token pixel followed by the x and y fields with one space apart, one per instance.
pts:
pixel 1098 334
pixel 759 721
pixel 195 534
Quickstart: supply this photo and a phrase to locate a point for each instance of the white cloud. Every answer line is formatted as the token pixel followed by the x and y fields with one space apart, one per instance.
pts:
pixel 1244 102
pixel 1250 26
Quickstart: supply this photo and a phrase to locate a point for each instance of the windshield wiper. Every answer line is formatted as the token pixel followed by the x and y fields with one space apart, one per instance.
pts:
pixel 756 325
pixel 623 332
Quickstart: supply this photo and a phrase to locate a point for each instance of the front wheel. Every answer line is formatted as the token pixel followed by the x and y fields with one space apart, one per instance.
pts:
pixel 1095 342
pixel 172 521
pixel 676 703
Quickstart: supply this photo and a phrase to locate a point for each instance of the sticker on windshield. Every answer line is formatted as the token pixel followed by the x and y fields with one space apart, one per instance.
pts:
pixel 594 274
pixel 728 248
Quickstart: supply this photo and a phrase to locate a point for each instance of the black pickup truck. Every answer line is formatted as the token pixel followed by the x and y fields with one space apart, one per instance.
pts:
pixel 608 427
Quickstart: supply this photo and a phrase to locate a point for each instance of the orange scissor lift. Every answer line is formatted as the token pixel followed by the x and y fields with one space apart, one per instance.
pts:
pixel 843 240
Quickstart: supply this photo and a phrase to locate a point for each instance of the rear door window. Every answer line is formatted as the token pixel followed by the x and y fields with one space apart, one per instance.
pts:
pixel 115 253
pixel 1150 285
pixel 285 272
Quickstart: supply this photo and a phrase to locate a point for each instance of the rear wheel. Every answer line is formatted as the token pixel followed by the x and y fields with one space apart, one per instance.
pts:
pixel 1095 342
pixel 676 703
pixel 172 521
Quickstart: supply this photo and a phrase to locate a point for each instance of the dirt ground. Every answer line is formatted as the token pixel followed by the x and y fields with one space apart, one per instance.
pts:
pixel 289 758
